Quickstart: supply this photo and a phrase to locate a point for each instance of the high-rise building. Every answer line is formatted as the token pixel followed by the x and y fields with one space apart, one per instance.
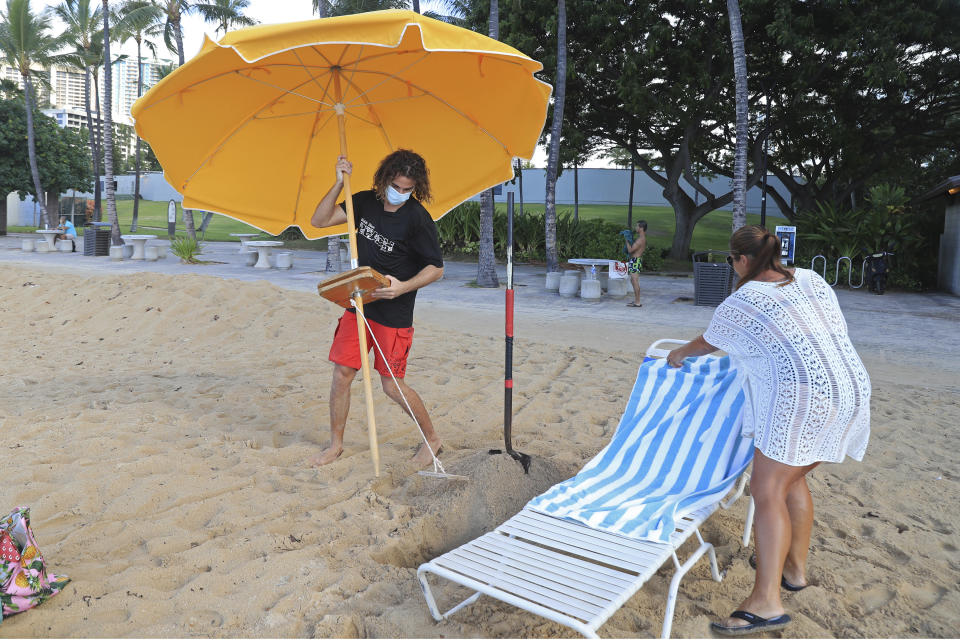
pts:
pixel 125 85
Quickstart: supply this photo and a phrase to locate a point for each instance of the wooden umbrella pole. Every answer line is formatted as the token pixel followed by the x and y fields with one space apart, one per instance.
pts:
pixel 357 296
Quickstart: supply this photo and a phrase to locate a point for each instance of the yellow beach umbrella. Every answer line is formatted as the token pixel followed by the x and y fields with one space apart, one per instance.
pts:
pixel 252 125
pixel 249 127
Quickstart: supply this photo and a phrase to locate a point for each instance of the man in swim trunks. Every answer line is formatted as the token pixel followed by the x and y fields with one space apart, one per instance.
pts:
pixel 397 237
pixel 635 263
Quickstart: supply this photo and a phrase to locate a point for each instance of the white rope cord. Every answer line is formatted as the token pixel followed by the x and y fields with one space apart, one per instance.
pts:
pixel 437 465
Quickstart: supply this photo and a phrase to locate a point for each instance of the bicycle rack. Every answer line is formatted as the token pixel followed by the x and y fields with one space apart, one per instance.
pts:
pixel 836 279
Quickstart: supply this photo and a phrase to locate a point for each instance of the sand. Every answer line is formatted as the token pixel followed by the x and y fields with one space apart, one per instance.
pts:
pixel 158 427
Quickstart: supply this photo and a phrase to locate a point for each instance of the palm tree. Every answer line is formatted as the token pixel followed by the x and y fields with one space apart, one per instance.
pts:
pixel 108 130
pixel 225 13
pixel 325 9
pixel 137 20
pixel 348 7
pixel 486 263
pixel 174 11
pixel 82 28
pixel 740 154
pixel 24 43
pixel 553 156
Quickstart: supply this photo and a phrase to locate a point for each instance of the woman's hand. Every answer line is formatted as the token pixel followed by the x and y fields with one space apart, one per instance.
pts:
pixel 676 357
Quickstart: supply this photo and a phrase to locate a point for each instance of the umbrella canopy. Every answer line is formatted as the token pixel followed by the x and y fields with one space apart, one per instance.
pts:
pixel 248 127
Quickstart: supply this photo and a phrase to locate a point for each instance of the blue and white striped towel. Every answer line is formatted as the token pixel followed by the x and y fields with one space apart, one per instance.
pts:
pixel 677 448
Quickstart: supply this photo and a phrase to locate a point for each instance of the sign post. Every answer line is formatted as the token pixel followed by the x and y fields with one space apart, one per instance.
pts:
pixel 172 219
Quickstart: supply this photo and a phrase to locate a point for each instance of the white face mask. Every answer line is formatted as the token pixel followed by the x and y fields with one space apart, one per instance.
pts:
pixel 394 197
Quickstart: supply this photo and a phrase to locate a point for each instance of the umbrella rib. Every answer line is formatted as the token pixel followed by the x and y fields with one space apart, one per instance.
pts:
pixel 452 107
pixel 234 132
pixel 285 90
pixel 360 94
pixel 303 167
pixel 303 66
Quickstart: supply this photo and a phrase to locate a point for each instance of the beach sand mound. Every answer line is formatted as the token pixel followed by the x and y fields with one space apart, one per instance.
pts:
pixel 159 427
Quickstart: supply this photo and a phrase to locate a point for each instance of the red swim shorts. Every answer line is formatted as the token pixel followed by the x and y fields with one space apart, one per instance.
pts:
pixel 395 344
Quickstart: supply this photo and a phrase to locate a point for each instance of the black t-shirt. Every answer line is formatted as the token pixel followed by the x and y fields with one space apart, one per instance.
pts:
pixel 398 244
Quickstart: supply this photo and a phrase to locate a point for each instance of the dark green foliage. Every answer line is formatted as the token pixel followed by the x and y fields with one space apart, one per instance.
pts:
pixel 62 155
pixel 886 221
pixel 595 238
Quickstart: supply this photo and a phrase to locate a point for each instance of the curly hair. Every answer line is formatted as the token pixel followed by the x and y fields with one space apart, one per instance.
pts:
pixel 408 164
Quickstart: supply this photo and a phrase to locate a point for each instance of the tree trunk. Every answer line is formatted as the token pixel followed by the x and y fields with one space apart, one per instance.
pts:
pixel 685 222
pixel 98 191
pixel 178 36
pixel 136 166
pixel 416 5
pixel 108 131
pixel 740 156
pixel 486 262
pixel 633 169
pixel 3 214
pixel 576 193
pixel 94 148
pixel 333 254
pixel 553 158
pixel 32 150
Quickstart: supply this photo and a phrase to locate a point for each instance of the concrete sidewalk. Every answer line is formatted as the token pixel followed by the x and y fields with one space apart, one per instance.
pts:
pixel 898 326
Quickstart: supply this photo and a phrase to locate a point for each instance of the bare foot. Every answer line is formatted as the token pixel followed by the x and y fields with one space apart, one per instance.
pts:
pixel 423 457
pixel 326 456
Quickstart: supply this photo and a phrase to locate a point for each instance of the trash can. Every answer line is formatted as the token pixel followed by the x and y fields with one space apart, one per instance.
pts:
pixel 96 239
pixel 712 281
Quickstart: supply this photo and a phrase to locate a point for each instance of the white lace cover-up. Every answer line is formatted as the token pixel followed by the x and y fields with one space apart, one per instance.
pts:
pixel 808 393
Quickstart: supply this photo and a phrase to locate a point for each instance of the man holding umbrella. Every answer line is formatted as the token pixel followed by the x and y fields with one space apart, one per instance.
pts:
pixel 397 237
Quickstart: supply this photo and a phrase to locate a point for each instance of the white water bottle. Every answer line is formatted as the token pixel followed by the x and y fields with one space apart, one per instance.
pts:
pixel 593 272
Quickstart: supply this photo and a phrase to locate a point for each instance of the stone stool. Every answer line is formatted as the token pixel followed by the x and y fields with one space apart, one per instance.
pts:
pixel 116 252
pixel 553 280
pixel 28 244
pixel 569 283
pixel 42 246
pixel 590 289
pixel 65 246
pixel 249 257
pixel 151 253
pixel 284 260
pixel 617 287
pixel 127 250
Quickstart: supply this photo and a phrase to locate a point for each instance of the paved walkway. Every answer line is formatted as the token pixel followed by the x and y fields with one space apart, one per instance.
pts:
pixel 898 326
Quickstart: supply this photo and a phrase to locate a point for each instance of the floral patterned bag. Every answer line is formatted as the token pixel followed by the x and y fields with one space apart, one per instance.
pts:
pixel 24 581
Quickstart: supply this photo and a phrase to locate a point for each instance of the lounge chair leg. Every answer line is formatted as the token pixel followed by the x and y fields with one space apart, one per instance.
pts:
pixel 748 524
pixel 432 603
pixel 428 595
pixel 682 570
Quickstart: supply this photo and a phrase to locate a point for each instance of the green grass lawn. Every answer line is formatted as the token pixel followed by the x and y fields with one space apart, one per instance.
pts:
pixel 712 232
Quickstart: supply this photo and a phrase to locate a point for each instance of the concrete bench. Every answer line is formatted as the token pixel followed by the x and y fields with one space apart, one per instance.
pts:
pixel 116 252
pixel 249 257
pixel 42 246
pixel 283 260
pixel 28 244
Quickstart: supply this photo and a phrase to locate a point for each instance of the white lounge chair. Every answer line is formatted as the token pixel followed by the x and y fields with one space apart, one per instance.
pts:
pixel 578 552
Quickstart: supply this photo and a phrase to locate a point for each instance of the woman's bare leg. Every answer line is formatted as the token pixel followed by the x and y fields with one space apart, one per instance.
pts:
pixel 770 484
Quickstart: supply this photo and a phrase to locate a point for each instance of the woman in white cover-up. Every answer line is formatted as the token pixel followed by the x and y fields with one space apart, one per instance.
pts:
pixel 808 401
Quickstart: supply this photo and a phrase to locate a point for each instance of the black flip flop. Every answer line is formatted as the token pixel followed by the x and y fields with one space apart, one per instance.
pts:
pixel 755 624
pixel 786 584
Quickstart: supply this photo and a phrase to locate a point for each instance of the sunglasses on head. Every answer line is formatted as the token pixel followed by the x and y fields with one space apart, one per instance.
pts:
pixel 730 260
